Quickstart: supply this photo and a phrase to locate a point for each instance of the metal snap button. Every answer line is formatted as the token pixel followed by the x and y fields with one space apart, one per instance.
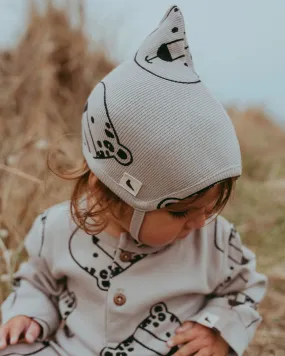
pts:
pixel 126 256
pixel 120 299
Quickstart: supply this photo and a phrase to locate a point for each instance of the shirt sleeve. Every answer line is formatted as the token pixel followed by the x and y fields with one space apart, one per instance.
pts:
pixel 35 290
pixel 232 307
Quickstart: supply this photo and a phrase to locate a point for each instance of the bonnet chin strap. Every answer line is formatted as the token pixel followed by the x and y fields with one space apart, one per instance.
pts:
pixel 136 223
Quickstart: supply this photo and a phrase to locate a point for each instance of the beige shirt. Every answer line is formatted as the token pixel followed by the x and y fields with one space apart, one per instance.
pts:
pixel 100 295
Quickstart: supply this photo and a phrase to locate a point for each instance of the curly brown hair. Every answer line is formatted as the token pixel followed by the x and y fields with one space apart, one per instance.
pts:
pixel 92 218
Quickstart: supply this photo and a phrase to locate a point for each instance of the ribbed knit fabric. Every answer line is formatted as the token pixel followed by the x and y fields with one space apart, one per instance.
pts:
pixel 152 132
pixel 136 222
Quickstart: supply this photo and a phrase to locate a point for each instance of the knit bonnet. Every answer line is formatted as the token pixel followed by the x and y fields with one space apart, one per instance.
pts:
pixel 152 132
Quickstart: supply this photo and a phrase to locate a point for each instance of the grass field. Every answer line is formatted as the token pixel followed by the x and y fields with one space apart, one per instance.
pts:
pixel 44 82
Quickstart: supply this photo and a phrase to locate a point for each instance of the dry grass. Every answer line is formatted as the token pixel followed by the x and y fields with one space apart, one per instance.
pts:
pixel 44 83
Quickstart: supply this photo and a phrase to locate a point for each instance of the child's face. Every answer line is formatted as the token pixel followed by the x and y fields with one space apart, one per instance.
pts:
pixel 160 227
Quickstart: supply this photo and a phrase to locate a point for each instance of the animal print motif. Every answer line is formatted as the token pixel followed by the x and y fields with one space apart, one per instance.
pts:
pixel 235 252
pixel 237 256
pixel 100 263
pixel 168 201
pixel 167 46
pixel 150 336
pixel 235 299
pixel 67 303
pixel 100 136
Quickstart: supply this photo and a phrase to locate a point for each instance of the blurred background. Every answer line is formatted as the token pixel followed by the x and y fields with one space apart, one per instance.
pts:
pixel 52 53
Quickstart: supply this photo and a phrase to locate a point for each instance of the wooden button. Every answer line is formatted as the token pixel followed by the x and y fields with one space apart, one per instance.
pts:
pixel 120 299
pixel 125 256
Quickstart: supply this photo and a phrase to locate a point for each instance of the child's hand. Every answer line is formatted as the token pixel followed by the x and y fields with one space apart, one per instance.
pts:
pixel 199 340
pixel 17 327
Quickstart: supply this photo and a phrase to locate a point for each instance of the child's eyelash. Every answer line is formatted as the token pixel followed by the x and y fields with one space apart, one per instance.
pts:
pixel 179 214
pixel 183 214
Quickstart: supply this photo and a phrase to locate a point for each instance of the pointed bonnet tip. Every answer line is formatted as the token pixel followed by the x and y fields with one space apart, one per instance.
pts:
pixel 174 11
pixel 165 52
pixel 174 19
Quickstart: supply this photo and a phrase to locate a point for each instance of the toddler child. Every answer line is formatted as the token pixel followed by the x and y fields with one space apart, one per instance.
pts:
pixel 139 262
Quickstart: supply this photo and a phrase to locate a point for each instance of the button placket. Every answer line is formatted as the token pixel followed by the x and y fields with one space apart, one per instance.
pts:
pixel 116 298
pixel 119 298
pixel 126 256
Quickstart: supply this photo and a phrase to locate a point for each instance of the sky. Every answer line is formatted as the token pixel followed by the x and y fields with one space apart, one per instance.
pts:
pixel 238 47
